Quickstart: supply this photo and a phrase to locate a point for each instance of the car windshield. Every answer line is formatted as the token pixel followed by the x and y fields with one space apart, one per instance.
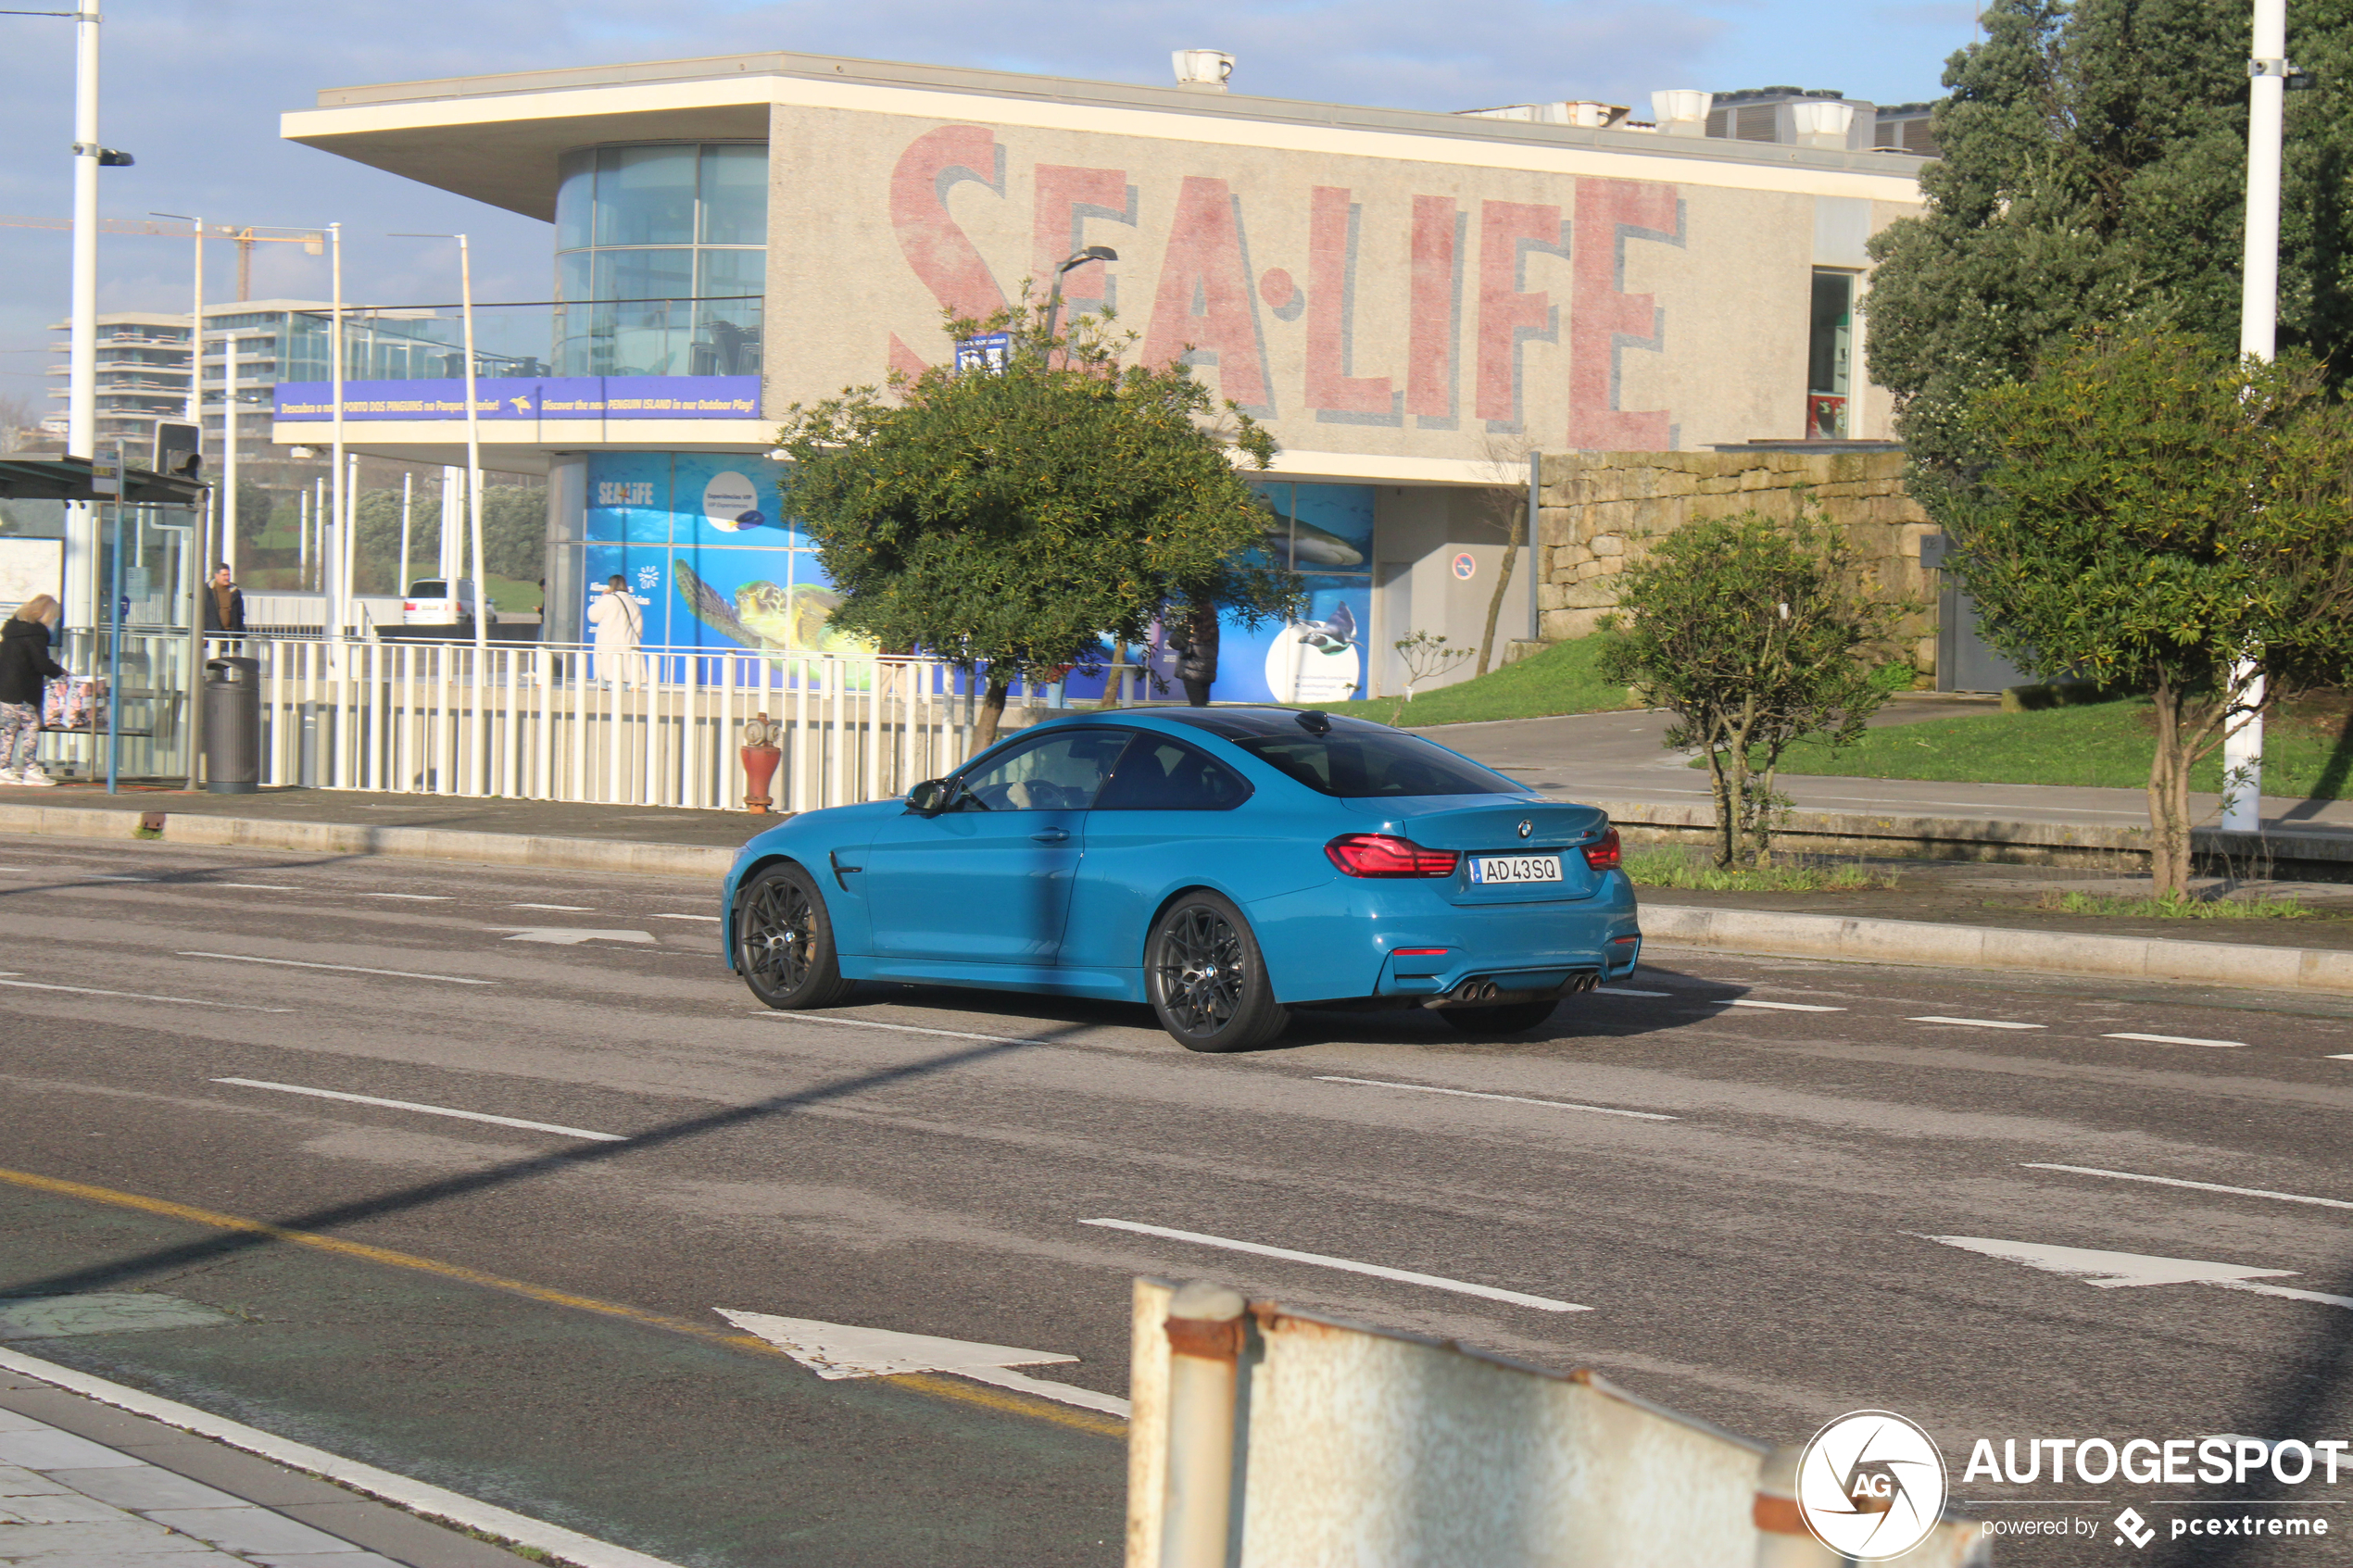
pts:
pixel 1349 758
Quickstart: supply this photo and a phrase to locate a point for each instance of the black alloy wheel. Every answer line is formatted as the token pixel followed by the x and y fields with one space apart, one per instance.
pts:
pixel 1207 980
pixel 1505 1018
pixel 785 941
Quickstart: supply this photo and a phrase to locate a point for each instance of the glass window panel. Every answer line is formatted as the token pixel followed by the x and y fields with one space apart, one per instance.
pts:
pixel 727 328
pixel 649 331
pixel 1062 773
pixel 734 195
pixel 645 196
pixel 576 199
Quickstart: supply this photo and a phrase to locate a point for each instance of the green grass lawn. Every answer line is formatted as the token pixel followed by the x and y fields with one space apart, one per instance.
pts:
pixel 1561 679
pixel 2308 751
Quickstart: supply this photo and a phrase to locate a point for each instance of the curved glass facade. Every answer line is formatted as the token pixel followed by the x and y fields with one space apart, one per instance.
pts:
pixel 660 259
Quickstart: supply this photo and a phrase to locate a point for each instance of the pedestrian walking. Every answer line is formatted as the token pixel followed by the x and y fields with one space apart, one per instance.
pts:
pixel 25 668
pixel 1194 642
pixel 621 626
pixel 224 602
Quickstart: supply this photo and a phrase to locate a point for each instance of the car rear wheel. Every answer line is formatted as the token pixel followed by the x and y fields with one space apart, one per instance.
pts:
pixel 1207 979
pixel 1510 1018
pixel 785 942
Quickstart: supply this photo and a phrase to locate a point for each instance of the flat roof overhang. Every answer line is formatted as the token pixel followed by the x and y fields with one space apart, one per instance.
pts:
pixel 497 139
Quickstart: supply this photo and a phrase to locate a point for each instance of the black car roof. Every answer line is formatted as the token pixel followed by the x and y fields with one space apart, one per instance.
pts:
pixel 1238 723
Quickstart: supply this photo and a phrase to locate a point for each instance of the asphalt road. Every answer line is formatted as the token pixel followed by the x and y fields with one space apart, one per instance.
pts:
pixel 532 1316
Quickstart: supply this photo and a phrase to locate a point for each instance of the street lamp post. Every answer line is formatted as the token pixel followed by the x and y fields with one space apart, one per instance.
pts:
pixel 81 385
pixel 1054 300
pixel 2267 71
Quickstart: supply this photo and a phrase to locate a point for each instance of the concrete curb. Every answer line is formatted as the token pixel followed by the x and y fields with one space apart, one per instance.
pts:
pixel 361 838
pixel 1998 948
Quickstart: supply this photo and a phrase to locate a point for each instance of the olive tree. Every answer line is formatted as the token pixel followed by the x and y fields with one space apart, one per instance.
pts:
pixel 1014 517
pixel 2160 516
pixel 1752 633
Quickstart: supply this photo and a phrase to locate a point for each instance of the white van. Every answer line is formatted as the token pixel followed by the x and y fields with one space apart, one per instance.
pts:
pixel 429 602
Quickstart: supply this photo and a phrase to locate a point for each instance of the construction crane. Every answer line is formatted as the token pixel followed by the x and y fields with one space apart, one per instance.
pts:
pixel 312 241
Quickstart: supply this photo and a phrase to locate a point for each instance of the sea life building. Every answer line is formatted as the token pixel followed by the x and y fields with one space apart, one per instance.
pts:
pixel 1413 302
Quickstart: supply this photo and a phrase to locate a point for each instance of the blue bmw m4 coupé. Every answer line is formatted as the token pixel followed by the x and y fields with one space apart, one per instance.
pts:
pixel 1223 865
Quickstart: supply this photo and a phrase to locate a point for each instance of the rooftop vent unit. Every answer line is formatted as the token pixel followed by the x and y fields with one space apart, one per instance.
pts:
pixel 1587 113
pixel 1203 71
pixel 1682 111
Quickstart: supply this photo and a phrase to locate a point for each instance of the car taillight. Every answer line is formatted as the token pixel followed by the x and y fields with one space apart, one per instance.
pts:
pixel 408 603
pixel 1603 854
pixel 1380 854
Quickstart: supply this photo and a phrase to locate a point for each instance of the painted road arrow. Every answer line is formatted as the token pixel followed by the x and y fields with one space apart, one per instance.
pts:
pixel 2112 1270
pixel 839 1351
pixel 565 937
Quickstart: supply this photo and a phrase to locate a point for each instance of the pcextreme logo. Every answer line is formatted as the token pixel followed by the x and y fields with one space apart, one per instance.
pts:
pixel 1870 1485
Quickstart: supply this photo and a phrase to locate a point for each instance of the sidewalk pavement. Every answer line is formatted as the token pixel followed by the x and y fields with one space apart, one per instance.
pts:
pixel 82 1486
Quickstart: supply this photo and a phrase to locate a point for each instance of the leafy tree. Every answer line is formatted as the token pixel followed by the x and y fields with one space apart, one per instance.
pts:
pixel 2094 173
pixel 2156 512
pixel 514 533
pixel 1014 519
pixel 1752 635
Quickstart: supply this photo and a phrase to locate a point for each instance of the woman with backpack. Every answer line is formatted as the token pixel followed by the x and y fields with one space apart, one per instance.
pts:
pixel 25 668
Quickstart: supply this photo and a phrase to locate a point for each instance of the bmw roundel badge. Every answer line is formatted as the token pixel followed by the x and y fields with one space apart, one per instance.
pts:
pixel 1526 827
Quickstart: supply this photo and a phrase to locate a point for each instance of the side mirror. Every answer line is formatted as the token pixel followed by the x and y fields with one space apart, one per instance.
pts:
pixel 931 797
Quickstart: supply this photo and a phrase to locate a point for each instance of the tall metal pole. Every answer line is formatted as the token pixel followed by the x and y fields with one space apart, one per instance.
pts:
pixel 334 560
pixel 199 570
pixel 407 504
pixel 82 387
pixel 114 620
pixel 473 509
pixel 2258 327
pixel 228 456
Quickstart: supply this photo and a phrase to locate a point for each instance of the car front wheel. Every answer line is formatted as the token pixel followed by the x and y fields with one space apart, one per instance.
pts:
pixel 1207 980
pixel 785 942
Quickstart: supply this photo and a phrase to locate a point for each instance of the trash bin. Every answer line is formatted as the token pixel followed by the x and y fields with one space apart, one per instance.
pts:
pixel 233 725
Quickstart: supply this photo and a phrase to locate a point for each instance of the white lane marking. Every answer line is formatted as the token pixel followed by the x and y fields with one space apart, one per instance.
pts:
pixel 2201 1187
pixel 414 898
pixel 136 996
pixel 2342 1055
pixel 907 1029
pixel 1321 1261
pixel 253 887
pixel 2111 1270
pixel 839 1351
pixel 1515 1099
pixel 1627 991
pixel 713 919
pixel 348 967
pixel 1781 1006
pixel 1976 1023
pixel 2179 1040
pixel 563 936
pixel 427 1110
pixel 560 909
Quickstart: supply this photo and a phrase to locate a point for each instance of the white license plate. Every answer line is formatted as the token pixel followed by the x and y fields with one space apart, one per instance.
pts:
pixel 1516 868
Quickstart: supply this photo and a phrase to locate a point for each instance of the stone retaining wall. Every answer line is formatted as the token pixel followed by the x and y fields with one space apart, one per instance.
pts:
pixel 1599 510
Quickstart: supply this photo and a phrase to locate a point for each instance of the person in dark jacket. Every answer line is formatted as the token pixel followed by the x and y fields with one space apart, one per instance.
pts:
pixel 1194 642
pixel 25 668
pixel 224 602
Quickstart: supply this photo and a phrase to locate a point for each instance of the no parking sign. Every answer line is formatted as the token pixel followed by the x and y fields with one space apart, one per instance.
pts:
pixel 1466 566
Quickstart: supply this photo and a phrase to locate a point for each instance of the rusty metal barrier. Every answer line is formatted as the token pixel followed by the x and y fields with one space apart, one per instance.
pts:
pixel 1267 1438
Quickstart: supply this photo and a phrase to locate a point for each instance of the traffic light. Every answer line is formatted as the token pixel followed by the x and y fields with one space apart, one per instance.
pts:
pixel 178 450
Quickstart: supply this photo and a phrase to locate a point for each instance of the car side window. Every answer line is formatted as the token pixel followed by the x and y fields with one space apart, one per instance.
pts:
pixel 1058 772
pixel 1159 774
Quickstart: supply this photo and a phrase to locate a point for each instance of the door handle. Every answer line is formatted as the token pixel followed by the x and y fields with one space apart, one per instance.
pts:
pixel 1051 835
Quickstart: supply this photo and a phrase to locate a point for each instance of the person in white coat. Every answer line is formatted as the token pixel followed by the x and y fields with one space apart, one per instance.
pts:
pixel 621 626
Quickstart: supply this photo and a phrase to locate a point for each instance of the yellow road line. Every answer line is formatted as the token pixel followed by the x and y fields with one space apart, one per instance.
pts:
pixel 937 1386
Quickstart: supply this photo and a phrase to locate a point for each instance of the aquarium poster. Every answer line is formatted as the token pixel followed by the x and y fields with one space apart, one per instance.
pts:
pixel 1325 533
pixel 698 537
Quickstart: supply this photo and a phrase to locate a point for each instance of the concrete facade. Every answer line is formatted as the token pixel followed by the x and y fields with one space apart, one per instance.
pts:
pixel 1598 510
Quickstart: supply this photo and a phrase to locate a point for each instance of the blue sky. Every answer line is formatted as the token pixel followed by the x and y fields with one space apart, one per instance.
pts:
pixel 193 89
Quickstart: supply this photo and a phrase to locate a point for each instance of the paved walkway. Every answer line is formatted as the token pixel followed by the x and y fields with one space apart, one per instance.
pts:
pixel 637 824
pixel 86 1486
pixel 1622 756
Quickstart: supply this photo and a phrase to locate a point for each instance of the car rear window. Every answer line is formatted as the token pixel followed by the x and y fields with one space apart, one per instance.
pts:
pixel 1363 762
pixel 431 588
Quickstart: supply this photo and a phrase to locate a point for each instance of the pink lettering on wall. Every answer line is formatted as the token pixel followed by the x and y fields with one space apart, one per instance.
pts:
pixel 1204 304
pixel 1067 197
pixel 940 253
pixel 1603 320
pixel 1331 299
pixel 1433 309
pixel 905 359
pixel 1509 313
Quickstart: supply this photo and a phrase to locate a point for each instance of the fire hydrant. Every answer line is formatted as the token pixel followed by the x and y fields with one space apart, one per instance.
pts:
pixel 761 757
